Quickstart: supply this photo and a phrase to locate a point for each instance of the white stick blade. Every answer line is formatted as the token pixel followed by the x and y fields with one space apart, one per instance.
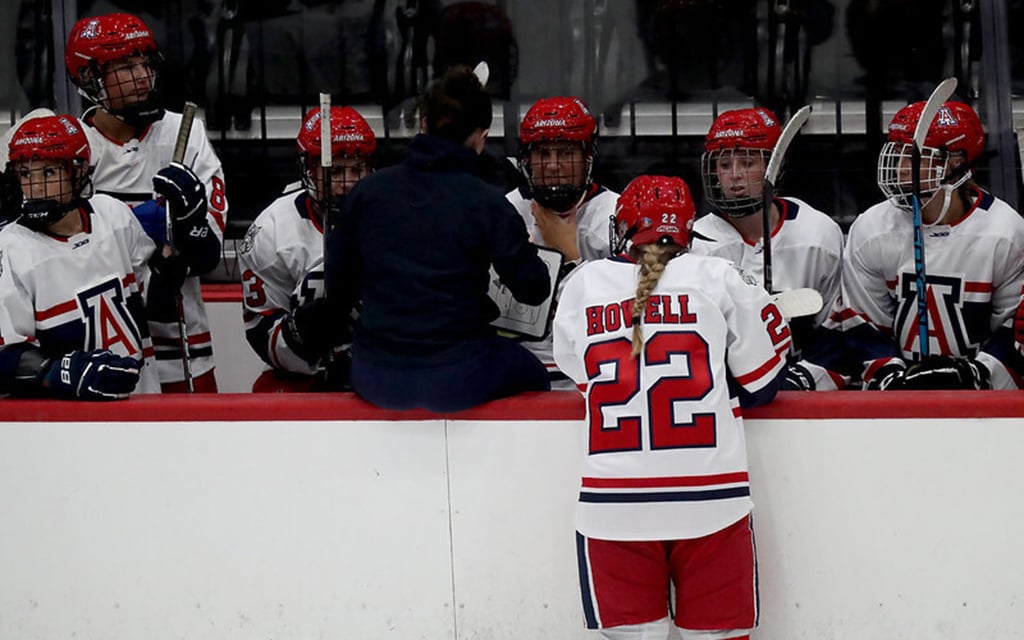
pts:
pixel 942 93
pixel 482 73
pixel 798 302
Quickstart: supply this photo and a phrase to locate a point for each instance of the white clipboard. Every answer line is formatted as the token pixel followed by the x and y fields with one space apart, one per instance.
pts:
pixel 528 321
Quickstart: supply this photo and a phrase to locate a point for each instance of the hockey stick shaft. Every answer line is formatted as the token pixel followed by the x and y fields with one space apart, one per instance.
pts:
pixel 326 161
pixel 188 114
pixel 771 174
pixel 939 96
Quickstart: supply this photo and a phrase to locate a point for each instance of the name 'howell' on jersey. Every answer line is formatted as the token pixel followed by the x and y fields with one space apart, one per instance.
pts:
pixel 661 309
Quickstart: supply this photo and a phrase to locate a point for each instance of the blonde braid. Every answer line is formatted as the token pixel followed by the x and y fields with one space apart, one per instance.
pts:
pixel 652 259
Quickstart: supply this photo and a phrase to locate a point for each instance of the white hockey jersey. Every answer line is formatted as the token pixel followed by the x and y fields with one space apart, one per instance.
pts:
pixel 126 172
pixel 664 455
pixel 593 226
pixel 974 268
pixel 807 250
pixel 281 258
pixel 82 292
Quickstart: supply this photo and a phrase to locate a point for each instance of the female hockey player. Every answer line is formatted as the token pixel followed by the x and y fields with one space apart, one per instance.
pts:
pixel 666 347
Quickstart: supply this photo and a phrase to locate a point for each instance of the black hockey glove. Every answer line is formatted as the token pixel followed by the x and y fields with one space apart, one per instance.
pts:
pixel 798 378
pixel 169 271
pixel 184 193
pixel 92 375
pixel 946 373
pixel 888 377
pixel 309 331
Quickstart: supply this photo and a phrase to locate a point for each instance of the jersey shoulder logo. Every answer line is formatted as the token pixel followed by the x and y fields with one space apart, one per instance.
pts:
pixel 249 241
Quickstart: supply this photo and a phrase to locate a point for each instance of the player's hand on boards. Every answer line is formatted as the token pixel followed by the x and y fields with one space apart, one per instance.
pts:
pixel 183 191
pixel 557 231
pixel 946 372
pixel 310 331
pixel 92 375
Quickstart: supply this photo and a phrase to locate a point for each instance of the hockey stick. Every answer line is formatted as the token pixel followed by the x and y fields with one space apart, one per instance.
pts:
pixel 180 144
pixel 771 174
pixel 798 302
pixel 325 167
pixel 931 108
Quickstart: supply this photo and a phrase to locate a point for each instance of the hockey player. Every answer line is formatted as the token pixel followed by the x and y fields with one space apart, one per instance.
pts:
pixel 974 258
pixel 807 245
pixel 562 207
pixel 114 62
pixel 282 255
pixel 666 346
pixel 73 271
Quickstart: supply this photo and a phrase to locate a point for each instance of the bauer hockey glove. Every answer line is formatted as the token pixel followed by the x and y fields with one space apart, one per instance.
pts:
pixel 183 191
pixel 92 375
pixel 309 332
pixel 798 378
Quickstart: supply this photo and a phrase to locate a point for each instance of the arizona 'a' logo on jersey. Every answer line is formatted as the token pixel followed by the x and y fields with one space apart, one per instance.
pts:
pixel 946 326
pixel 108 323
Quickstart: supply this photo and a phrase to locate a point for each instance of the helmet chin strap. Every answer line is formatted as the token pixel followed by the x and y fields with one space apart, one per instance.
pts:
pixel 947 197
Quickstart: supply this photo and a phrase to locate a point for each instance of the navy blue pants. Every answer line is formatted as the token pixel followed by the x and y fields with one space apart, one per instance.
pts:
pixel 498 369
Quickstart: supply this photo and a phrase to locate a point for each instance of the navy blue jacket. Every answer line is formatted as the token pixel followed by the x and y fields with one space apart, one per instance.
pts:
pixel 414 242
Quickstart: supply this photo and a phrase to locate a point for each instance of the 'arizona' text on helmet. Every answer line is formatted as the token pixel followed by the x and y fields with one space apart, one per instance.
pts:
pixel 98 41
pixel 653 209
pixel 56 138
pixel 351 137
pixel 558 119
pixel 749 134
pixel 954 142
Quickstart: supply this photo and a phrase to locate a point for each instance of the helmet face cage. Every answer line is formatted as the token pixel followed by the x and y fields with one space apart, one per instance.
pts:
pixel 49 157
pixel 352 143
pixel 895 176
pixel 558 177
pixel 653 209
pixel 741 192
pixel 114 61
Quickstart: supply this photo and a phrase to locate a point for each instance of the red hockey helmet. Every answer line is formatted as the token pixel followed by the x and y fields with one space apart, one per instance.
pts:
pixel 350 134
pixel 744 129
pixel 559 119
pixel 956 129
pixel 751 133
pixel 653 209
pixel 56 138
pixel 97 41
